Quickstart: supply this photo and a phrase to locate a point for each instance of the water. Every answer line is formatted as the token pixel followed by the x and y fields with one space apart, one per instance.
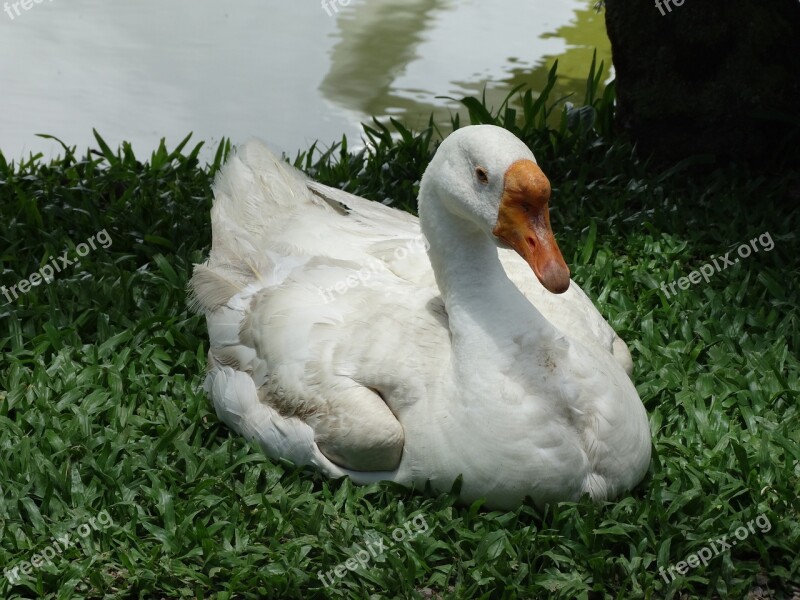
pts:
pixel 286 72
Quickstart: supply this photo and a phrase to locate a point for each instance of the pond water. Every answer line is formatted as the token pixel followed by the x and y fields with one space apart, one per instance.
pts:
pixel 290 73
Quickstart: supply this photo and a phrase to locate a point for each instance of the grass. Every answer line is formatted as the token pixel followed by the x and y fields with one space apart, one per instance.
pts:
pixel 101 407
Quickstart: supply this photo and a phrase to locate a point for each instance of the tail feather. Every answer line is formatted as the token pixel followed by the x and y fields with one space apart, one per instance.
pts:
pixel 255 193
pixel 210 290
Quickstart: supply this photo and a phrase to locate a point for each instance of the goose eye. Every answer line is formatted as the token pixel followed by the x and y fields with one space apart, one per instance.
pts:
pixel 482 175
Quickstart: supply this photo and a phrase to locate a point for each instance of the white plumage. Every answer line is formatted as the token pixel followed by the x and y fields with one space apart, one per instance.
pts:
pixel 337 341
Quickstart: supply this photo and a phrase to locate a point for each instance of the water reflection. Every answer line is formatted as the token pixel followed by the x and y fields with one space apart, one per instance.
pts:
pixel 402 59
pixel 377 41
pixel 285 72
pixel 585 36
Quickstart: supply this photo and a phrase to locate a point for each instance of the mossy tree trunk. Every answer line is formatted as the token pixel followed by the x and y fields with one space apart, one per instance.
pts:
pixel 720 78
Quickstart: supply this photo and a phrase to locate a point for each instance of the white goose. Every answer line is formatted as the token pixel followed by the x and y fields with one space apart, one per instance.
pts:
pixel 337 342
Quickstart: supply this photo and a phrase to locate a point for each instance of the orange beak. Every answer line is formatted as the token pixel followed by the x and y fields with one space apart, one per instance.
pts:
pixel 523 222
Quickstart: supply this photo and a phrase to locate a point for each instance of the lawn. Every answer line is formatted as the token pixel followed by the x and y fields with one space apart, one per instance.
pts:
pixel 118 481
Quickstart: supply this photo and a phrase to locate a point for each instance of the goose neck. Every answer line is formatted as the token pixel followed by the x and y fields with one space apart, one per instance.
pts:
pixel 482 303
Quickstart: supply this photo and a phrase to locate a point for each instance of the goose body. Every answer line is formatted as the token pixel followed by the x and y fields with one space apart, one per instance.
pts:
pixel 364 342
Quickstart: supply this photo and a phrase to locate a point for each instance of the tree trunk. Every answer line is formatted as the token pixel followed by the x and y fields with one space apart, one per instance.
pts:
pixel 719 78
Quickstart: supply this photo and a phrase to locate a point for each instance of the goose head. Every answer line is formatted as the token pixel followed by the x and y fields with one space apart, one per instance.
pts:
pixel 486 177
